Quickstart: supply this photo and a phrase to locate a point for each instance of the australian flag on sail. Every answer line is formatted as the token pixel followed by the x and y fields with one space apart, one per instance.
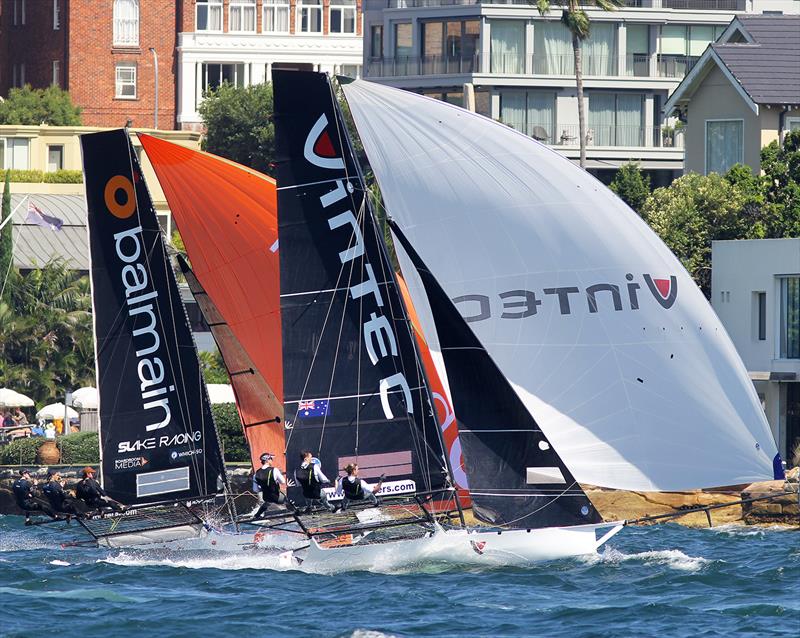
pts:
pixel 306 409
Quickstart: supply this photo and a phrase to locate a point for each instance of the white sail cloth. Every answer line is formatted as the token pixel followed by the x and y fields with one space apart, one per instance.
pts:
pixel 637 388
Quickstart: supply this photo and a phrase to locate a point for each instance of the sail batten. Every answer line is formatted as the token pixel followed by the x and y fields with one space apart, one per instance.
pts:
pixel 600 330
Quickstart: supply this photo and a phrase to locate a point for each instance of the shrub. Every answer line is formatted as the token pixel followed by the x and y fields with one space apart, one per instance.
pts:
pixel 231 434
pixel 63 176
pixel 30 177
pixel 21 451
pixel 79 448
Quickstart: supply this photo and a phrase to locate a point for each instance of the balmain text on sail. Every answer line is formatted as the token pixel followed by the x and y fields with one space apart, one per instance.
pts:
pixel 147 339
pixel 377 331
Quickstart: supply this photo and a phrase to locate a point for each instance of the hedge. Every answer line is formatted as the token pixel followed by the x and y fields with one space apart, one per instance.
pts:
pixel 76 449
pixel 231 434
pixel 49 177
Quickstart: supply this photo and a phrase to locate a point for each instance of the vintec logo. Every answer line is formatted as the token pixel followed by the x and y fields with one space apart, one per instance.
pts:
pixel 600 297
pixel 140 296
pixel 377 331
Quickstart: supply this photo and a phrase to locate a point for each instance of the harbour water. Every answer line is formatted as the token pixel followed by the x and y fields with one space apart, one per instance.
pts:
pixel 656 581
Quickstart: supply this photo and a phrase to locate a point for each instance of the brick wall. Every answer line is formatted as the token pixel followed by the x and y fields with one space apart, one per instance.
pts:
pixel 93 58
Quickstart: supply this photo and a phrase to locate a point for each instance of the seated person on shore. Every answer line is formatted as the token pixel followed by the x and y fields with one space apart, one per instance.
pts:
pixel 93 495
pixel 20 418
pixel 311 479
pixel 354 489
pixel 26 500
pixel 268 480
pixel 60 500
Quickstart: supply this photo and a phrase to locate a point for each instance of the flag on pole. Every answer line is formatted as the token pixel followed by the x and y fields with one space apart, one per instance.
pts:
pixel 36 216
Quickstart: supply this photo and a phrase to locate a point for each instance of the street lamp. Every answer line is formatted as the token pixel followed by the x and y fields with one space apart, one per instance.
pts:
pixel 155 66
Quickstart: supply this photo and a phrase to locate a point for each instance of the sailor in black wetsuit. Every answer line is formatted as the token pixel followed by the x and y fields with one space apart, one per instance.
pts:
pixel 354 489
pixel 60 501
pixel 310 477
pixel 93 495
pixel 26 501
pixel 268 480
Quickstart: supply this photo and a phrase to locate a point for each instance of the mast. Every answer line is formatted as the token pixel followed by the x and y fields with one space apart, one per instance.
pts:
pixel 157 433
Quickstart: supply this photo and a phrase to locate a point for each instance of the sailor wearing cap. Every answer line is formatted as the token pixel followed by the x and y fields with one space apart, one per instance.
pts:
pixel 23 489
pixel 91 493
pixel 268 480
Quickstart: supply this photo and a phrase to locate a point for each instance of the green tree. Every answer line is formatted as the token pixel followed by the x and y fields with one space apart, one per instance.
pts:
pixel 576 20
pixel 781 183
pixel 47 345
pixel 214 370
pixel 6 243
pixel 238 125
pixel 690 213
pixel 52 106
pixel 231 433
pixel 632 186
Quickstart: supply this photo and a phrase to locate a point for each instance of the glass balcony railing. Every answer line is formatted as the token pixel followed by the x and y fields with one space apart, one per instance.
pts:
pixel 425 65
pixel 687 5
pixel 608 135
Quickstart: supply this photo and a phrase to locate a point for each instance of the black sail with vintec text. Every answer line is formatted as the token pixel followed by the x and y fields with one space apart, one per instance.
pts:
pixel 157 436
pixel 353 389
pixel 516 478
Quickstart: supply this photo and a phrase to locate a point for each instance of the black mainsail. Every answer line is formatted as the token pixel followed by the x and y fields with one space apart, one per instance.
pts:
pixel 516 478
pixel 158 440
pixel 353 387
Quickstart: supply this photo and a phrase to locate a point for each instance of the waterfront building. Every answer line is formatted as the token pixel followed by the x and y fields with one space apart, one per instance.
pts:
pixel 742 94
pixel 519 65
pixel 755 291
pixel 105 51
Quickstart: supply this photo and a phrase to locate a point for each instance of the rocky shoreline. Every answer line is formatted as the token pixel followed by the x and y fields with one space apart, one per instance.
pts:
pixel 612 504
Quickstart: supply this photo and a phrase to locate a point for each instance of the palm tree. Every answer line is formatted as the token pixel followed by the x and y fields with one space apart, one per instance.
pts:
pixel 577 21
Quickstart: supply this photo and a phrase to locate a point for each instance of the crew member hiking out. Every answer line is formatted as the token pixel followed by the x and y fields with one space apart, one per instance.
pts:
pixel 268 480
pixel 354 489
pixel 89 491
pixel 26 500
pixel 60 500
pixel 311 479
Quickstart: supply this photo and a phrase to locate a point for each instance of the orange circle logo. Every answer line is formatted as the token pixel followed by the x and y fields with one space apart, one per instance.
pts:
pixel 114 185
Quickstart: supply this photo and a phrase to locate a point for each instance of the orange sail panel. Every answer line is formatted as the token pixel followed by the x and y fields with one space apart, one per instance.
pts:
pixel 259 409
pixel 444 408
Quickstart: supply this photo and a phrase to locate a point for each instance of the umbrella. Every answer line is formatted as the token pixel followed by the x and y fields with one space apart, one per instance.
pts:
pixel 220 393
pixel 56 411
pixel 11 399
pixel 86 398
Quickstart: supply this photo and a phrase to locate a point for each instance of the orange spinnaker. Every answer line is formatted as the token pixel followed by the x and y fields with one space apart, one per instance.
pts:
pixel 227 215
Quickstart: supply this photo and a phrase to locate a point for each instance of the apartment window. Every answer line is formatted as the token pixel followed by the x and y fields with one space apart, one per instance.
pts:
pixel 242 16
pixel 56 15
pixel 56 73
pixel 125 81
pixel 403 45
pixel 637 38
pixel 209 15
pixel 213 74
pixel 724 144
pixel 276 16
pixel 126 23
pixel 790 318
pixel 761 315
pixel 55 157
pixel 351 70
pixel 14 153
pixel 309 16
pixel 376 41
pixel 793 123
pixel 615 119
pixel 18 74
pixel 508 46
pixel 342 17
pixel 530 112
pixel 19 13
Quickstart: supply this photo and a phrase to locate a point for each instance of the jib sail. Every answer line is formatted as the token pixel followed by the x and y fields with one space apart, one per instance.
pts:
pixel 516 478
pixel 353 390
pixel 260 410
pixel 157 435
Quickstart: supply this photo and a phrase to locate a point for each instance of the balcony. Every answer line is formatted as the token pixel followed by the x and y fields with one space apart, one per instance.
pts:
pixel 567 135
pixel 631 66
pixel 681 5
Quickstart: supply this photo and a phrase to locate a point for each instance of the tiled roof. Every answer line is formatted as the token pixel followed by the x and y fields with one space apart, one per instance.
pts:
pixel 36 245
pixel 768 69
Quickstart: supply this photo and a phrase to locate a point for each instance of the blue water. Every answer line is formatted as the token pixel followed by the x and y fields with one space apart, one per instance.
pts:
pixel 658 581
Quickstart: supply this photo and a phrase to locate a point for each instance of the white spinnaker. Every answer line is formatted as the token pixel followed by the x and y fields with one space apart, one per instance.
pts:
pixel 652 398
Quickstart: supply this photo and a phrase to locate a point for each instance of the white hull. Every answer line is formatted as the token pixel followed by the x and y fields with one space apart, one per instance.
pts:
pixel 460 547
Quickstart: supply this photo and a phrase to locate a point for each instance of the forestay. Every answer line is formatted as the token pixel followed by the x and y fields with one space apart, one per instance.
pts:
pixel 157 435
pixel 603 334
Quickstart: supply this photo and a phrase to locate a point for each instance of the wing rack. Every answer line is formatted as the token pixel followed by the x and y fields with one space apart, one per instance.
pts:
pixel 140 520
